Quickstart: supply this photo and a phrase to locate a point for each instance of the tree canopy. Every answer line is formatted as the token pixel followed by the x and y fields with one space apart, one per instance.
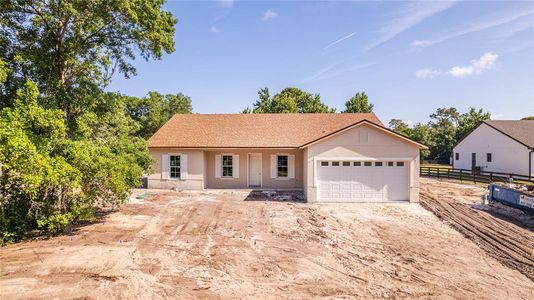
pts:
pixel 67 147
pixel 359 103
pixel 71 48
pixel 289 100
pixel 445 128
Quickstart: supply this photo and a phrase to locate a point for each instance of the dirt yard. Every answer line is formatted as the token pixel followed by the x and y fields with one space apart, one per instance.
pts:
pixel 503 232
pixel 215 245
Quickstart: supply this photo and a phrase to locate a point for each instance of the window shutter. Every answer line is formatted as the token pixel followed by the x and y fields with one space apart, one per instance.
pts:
pixel 218 166
pixel 291 166
pixel 235 166
pixel 183 167
pixel 273 166
pixel 165 166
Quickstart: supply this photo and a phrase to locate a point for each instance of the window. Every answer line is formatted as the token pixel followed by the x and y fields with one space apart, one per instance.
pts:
pixel 175 166
pixel 227 166
pixel 488 157
pixel 346 164
pixel 400 164
pixel 390 164
pixel 378 164
pixel 357 163
pixel 335 164
pixel 324 163
pixel 456 156
pixel 282 166
pixel 367 163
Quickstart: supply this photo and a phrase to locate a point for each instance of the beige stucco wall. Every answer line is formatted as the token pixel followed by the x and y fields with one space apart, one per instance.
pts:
pixel 201 169
pixel 363 142
pixel 267 181
pixel 195 179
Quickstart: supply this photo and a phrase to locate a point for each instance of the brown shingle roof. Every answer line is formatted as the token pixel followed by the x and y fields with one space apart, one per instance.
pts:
pixel 520 130
pixel 251 130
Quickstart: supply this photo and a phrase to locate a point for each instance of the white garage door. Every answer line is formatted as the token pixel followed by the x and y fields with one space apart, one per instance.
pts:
pixel 349 181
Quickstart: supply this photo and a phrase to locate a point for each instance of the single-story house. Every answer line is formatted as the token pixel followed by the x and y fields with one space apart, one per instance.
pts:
pixel 331 157
pixel 497 146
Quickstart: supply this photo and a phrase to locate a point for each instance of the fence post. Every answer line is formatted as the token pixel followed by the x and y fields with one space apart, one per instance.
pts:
pixel 438 173
pixel 491 177
pixel 461 181
pixel 474 178
pixel 448 173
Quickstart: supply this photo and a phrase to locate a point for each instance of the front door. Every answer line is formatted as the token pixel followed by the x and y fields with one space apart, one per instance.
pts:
pixel 473 161
pixel 254 170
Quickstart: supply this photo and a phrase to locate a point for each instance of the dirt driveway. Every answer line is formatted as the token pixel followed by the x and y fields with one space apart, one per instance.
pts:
pixel 215 245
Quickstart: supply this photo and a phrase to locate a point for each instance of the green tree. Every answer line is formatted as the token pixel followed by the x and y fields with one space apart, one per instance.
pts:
pixel 469 120
pixel 528 118
pixel 400 126
pixel 71 48
pixel 289 100
pixel 155 109
pixel 359 103
pixel 443 124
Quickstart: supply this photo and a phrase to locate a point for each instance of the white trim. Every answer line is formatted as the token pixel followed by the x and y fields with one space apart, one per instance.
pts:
pixel 358 124
pixel 170 178
pixel 276 164
pixel 261 167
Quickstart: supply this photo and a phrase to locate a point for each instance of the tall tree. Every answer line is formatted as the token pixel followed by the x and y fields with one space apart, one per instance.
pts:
pixel 400 126
pixel 469 120
pixel 155 109
pixel 359 103
pixel 71 48
pixel 443 124
pixel 289 100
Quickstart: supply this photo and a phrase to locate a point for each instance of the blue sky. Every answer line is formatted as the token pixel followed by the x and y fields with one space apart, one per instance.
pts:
pixel 409 57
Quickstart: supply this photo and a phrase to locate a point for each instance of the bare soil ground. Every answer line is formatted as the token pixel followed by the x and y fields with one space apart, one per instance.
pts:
pixel 504 233
pixel 215 245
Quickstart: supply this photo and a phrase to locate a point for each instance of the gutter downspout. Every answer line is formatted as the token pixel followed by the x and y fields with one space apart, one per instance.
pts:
pixel 530 164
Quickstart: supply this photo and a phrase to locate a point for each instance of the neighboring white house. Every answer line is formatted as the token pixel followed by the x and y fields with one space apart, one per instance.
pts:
pixel 498 146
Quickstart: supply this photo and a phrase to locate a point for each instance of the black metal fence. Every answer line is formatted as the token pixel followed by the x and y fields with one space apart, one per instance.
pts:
pixel 473 176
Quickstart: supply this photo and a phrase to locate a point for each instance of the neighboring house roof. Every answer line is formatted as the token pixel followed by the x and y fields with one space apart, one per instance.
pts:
pixel 252 130
pixel 522 131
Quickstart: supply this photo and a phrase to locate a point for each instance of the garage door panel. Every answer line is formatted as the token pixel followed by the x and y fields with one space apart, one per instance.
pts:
pixel 362 183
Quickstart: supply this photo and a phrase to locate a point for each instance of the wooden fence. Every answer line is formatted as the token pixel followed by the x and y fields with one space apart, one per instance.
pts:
pixel 476 176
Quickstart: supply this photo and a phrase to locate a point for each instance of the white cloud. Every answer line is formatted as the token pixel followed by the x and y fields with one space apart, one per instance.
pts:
pixel 269 14
pixel 486 62
pixel 413 14
pixel 421 43
pixel 490 23
pixel 426 73
pixel 340 40
pixel 215 29
pixel 336 70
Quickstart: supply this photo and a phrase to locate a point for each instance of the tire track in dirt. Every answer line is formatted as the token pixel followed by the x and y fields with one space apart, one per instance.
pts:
pixel 501 240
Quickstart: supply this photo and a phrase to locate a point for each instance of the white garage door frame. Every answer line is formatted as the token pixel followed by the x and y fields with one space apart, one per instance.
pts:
pixel 318 159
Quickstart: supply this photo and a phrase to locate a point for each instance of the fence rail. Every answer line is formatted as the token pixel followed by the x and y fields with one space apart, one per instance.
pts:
pixel 474 176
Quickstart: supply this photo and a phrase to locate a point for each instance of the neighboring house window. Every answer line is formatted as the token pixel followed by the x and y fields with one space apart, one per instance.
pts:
pixel 457 156
pixel 488 157
pixel 282 166
pixel 227 166
pixel 175 166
